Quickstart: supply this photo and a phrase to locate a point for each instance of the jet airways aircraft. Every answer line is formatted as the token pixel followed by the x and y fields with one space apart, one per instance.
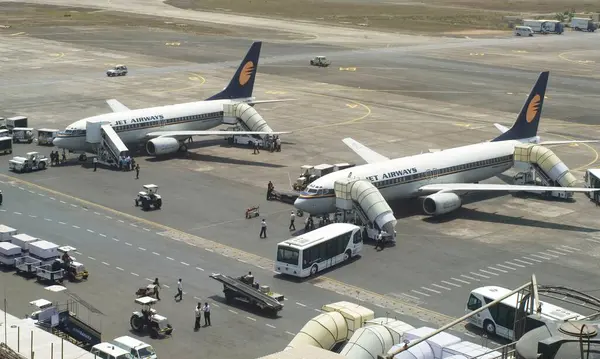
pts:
pixel 165 128
pixel 441 175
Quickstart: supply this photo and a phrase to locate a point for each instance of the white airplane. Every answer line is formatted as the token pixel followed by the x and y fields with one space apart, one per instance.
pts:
pixel 442 175
pixel 165 128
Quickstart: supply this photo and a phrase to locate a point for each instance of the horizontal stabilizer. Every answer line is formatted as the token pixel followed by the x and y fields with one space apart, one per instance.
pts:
pixel 567 142
pixel 501 128
pixel 186 134
pixel 258 102
pixel 116 106
pixel 364 152
pixel 470 187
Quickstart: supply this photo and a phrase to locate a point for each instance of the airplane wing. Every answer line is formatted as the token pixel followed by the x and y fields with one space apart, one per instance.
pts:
pixel 566 142
pixel 186 134
pixel 257 102
pixel 365 153
pixel 116 106
pixel 471 187
pixel 501 128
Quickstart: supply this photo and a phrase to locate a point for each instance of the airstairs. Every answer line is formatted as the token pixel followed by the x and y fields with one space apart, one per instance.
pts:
pixel 246 118
pixel 543 167
pixel 368 204
pixel 106 142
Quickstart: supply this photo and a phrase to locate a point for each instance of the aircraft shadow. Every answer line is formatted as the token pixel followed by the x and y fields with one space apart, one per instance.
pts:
pixel 211 158
pixel 247 307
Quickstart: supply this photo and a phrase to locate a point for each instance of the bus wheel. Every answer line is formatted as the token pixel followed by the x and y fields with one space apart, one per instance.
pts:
pixel 489 327
pixel 347 255
pixel 314 270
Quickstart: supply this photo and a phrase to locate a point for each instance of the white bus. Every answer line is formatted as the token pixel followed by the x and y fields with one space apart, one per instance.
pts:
pixel 318 250
pixel 500 319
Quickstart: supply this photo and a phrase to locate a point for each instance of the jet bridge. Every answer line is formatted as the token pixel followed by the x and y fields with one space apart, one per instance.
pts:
pixel 245 116
pixel 366 201
pixel 543 166
pixel 106 142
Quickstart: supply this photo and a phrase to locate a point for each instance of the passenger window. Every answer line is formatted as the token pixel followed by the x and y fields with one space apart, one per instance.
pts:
pixel 474 303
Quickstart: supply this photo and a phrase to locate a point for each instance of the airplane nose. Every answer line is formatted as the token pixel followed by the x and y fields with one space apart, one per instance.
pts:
pixel 301 204
pixel 56 141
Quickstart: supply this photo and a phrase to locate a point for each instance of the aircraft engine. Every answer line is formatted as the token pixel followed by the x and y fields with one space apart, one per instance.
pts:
pixel 440 203
pixel 162 146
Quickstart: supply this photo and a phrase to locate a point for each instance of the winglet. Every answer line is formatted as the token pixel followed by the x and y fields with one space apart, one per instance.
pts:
pixel 364 152
pixel 242 83
pixel 527 123
pixel 116 106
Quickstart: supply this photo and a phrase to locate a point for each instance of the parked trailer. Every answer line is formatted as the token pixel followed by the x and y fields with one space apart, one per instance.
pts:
pixel 51 273
pixel 544 26
pixel 583 24
pixel 46 136
pixel 6 145
pixel 8 253
pixel 17 121
pixel 22 134
pixel 6 233
pixel 28 265
pixel 234 288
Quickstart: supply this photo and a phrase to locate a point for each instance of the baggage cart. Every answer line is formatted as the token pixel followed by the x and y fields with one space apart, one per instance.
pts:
pixel 28 265
pixel 5 144
pixel 252 212
pixel 8 253
pixel 6 233
pixel 235 288
pixel 23 240
pixel 22 134
pixel 45 136
pixel 51 273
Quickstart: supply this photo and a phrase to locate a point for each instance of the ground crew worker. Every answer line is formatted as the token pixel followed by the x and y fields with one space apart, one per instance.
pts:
pixel 263 229
pixel 256 149
pixel 95 160
pixel 206 314
pixel 379 241
pixel 292 218
pixel 306 224
pixel 270 188
pixel 64 156
pixel 198 313
pixel 156 288
pixel 278 144
pixel 137 171
pixel 179 290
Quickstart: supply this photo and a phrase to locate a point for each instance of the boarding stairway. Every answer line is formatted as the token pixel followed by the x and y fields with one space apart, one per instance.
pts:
pixel 373 211
pixel 107 144
pixel 543 167
pixel 246 118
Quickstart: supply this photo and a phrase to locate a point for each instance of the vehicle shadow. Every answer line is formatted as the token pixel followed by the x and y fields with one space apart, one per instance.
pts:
pixel 293 279
pixel 246 307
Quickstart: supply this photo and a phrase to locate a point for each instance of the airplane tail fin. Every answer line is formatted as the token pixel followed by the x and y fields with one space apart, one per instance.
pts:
pixel 527 123
pixel 242 83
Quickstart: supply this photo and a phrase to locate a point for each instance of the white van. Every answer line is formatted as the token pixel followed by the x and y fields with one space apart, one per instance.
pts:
pixel 110 351
pixel 137 348
pixel 523 31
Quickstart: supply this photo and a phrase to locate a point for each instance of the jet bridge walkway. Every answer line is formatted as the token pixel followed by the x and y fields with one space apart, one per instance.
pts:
pixel 543 167
pixel 368 203
pixel 106 142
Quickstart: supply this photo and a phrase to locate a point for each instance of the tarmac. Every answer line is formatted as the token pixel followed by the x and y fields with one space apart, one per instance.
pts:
pixel 398 100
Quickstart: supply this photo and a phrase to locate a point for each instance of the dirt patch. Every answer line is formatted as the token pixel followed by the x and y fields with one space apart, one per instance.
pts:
pixel 525 6
pixel 20 16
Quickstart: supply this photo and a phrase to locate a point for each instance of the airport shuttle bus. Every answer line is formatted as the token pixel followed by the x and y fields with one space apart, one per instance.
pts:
pixel 312 252
pixel 500 319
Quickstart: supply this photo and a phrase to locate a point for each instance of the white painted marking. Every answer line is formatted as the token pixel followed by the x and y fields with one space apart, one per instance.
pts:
pixel 538 256
pixel 504 266
pixel 488 272
pixel 551 255
pixel 133 224
pixel 290 333
pixel 216 305
pixel 300 304
pixel 92 258
pixel 21 188
pixel 514 264
pixel 271 326
pixel 76 227
pixel 102 235
pixel 440 286
pixel 197 298
pixel 497 269
pixel 166 286
pixel 450 283
pixel 106 264
pixel 98 213
pixel 200 269
pixel 115 239
pixel 419 293
pixel 146 229
pixel 241 260
pixel 73 205
pixel 233 311
pixel 431 290
pixel 149 280
pixel 108 217
pixel 184 263
pixel 156 254
pixel 252 319
pixel 42 195
pixel 47 219
pixel 63 202
pixel 2 210
pixel 572 248
pixel 78 253
pixel 62 222
pixel 276 272
pixel 120 220
pixel 460 280
pixel 208 250
pixel 32 216
pixel 141 249
pixel 137 275
pixel 30 191
pixel 85 209
pixel 563 250
pixel 169 258
pixel 89 230
pixel 592 240
pixel 18 213
pixel 522 261
pixel 320 311
pixel 533 259
pixel 479 275
pixel 119 268
pixel 470 335
pixel 52 198
pixel 410 296
pixel 129 244
pixel 379 305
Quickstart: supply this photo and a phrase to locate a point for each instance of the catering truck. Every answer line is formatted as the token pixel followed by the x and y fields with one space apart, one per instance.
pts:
pixel 544 26
pixel 583 24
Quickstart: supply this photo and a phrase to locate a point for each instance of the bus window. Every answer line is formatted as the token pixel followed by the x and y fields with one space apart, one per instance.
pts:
pixel 474 303
pixel 287 255
pixel 357 237
pixel 505 316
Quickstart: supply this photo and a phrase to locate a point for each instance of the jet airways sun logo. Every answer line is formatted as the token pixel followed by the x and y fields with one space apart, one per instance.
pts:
pixel 533 108
pixel 246 73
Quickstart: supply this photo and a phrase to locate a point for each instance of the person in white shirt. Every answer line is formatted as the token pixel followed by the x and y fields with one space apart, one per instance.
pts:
pixel 198 313
pixel 263 229
pixel 292 218
pixel 179 290
pixel 206 310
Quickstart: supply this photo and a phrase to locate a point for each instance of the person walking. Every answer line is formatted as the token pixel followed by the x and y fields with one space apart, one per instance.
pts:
pixel 206 315
pixel 156 288
pixel 263 229
pixel 179 290
pixel 198 314
pixel 379 241
pixel 292 219
pixel 137 171
pixel 95 160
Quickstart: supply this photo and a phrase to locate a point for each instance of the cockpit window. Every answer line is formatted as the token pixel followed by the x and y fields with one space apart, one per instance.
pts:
pixel 312 190
pixel 320 192
pixel 72 132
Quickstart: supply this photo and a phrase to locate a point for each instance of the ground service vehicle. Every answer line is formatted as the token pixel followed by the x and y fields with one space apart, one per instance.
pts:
pixel 523 31
pixel 591 178
pixel 22 134
pixel 583 24
pixel 32 162
pixel 18 121
pixel 149 197
pixel 500 319
pixel 318 250
pixel 244 289
pixel 46 136
pixel 119 70
pixel 147 291
pixel 1 196
pixel 147 319
pixel 110 351
pixel 135 347
pixel 320 61
pixel 6 144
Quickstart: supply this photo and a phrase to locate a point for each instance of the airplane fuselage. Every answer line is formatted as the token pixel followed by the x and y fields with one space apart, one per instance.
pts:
pixel 401 178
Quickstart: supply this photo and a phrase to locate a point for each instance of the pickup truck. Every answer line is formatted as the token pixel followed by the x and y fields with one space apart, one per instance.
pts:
pixel 32 162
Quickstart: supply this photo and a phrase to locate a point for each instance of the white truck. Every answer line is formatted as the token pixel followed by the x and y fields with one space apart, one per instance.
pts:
pixel 583 24
pixel 544 26
pixel 22 134
pixel 17 121
pixel 33 161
